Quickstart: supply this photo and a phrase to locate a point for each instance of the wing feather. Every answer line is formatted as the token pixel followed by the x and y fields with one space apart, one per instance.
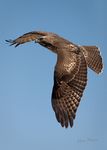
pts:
pixel 66 94
pixel 31 36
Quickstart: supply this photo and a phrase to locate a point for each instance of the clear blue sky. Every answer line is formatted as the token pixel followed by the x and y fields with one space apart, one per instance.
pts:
pixel 27 121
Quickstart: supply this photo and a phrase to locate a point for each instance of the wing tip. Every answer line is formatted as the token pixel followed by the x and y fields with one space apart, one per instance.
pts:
pixel 12 42
pixel 64 122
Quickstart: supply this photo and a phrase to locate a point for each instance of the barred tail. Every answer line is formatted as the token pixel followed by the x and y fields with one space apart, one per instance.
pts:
pixel 93 58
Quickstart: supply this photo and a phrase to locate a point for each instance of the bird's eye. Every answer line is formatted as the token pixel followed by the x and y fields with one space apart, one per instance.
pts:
pixel 40 38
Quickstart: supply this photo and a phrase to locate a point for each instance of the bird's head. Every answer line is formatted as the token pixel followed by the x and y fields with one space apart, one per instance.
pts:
pixel 52 42
pixel 48 41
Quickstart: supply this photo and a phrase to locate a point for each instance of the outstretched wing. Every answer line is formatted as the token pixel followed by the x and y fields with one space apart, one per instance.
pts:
pixel 68 90
pixel 31 36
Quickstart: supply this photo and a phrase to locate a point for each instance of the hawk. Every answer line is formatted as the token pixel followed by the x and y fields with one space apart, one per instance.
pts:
pixel 70 73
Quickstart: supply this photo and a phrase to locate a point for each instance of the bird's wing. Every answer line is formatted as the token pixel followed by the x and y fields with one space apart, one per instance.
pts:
pixel 93 58
pixel 68 90
pixel 31 36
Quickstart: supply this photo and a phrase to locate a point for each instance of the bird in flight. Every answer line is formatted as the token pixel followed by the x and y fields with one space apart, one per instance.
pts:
pixel 70 73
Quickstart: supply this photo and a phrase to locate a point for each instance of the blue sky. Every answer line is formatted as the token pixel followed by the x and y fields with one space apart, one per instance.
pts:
pixel 27 120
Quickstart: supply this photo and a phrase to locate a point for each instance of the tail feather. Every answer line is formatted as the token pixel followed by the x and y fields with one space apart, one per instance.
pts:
pixel 93 58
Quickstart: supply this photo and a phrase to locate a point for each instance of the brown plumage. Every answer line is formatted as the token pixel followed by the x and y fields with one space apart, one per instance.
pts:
pixel 70 75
